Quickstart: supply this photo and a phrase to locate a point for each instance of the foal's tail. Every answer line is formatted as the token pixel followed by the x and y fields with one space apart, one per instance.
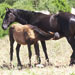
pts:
pixel 44 35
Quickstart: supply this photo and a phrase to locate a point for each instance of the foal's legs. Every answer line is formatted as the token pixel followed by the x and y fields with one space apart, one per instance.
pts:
pixel 30 53
pixel 45 50
pixel 36 46
pixel 71 41
pixel 17 53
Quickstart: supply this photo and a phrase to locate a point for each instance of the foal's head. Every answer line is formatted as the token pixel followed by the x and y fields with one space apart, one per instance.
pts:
pixel 9 18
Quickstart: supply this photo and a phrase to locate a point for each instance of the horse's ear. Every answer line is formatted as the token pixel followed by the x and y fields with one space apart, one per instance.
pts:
pixel 7 9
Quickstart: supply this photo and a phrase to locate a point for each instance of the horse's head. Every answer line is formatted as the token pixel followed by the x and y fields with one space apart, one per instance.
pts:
pixel 9 18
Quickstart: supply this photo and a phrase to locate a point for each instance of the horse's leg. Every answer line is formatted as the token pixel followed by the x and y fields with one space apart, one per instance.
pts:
pixel 17 53
pixel 71 41
pixel 36 46
pixel 30 53
pixel 45 50
pixel 11 39
pixel 11 50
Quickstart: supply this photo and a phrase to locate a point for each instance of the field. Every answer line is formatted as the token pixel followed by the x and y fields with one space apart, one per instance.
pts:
pixel 59 53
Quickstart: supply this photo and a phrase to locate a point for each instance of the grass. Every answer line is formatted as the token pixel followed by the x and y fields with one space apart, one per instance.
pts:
pixel 59 53
pixel 72 73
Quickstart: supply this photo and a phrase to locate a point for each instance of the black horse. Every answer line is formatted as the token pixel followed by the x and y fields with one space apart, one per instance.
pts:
pixel 63 22
pixel 24 17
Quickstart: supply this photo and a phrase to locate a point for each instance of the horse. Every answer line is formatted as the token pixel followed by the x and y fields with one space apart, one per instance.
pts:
pixel 66 27
pixel 27 35
pixel 25 17
pixel 62 22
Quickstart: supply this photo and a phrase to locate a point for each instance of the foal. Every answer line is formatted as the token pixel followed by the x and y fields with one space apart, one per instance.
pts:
pixel 26 34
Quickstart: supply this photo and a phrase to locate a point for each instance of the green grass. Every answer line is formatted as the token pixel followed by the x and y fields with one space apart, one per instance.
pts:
pixel 72 74
pixel 59 53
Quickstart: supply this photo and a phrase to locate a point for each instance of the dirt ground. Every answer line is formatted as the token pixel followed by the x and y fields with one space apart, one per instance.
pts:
pixel 59 53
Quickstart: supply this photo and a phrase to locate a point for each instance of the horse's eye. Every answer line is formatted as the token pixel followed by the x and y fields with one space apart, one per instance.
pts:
pixel 11 17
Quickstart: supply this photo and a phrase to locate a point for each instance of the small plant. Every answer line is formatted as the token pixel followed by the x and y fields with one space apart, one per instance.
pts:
pixel 72 74
pixel 23 4
pixel 52 5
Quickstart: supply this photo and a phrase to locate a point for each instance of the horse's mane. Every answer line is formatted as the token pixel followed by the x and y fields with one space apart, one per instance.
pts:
pixel 27 11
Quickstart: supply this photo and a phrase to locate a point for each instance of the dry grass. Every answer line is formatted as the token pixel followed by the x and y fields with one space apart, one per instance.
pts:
pixel 59 55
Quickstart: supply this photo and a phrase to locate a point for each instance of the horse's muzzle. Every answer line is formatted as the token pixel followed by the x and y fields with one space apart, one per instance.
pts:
pixel 4 27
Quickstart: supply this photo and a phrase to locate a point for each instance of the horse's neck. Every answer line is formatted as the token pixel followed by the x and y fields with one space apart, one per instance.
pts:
pixel 21 20
pixel 36 18
pixel 25 14
pixel 29 16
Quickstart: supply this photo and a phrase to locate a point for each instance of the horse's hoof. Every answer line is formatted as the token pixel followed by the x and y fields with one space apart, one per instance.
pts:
pixel 47 62
pixel 39 61
pixel 19 66
pixel 72 62
pixel 29 65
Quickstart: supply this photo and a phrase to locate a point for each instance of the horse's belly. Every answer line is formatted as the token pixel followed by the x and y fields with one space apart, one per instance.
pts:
pixel 19 38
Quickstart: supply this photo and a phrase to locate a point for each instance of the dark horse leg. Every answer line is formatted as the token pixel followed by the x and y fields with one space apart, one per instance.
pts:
pixel 45 50
pixel 71 41
pixel 11 49
pixel 11 39
pixel 17 53
pixel 30 53
pixel 36 46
